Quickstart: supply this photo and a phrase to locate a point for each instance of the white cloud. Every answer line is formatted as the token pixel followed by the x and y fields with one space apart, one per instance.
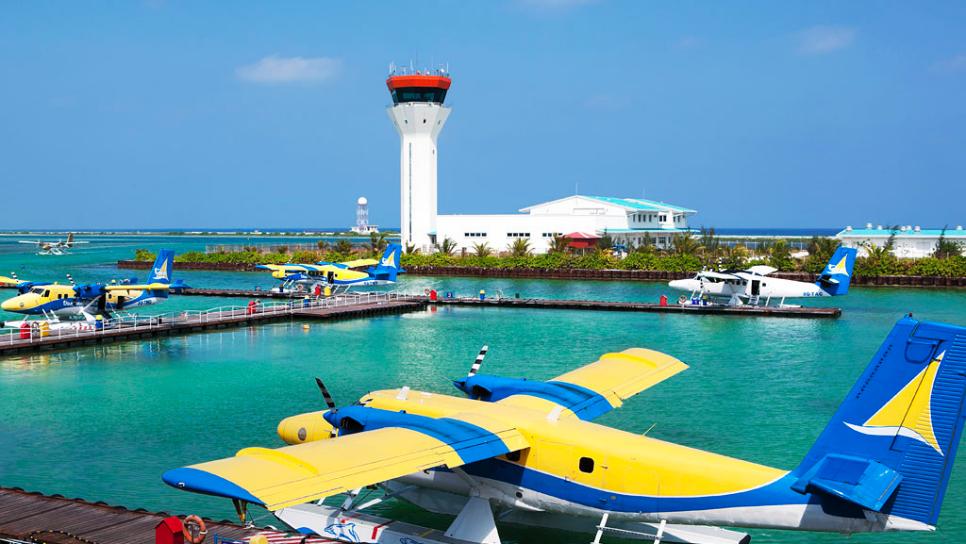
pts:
pixel 956 63
pixel 275 69
pixel 819 40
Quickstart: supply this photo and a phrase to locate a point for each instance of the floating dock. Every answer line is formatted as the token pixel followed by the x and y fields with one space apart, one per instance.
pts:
pixel 348 306
pixel 139 327
pixel 602 305
pixel 33 517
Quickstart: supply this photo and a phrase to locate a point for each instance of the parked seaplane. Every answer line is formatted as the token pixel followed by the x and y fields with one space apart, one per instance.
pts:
pixel 754 284
pixel 528 453
pixel 55 301
pixel 359 272
pixel 56 247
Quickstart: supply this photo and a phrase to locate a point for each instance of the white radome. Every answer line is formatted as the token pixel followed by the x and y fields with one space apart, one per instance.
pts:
pixel 362 201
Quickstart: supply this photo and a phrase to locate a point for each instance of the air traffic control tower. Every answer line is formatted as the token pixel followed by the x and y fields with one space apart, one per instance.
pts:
pixel 418 113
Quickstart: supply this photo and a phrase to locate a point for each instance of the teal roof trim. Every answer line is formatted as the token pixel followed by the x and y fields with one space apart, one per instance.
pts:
pixel 644 231
pixel 932 233
pixel 641 204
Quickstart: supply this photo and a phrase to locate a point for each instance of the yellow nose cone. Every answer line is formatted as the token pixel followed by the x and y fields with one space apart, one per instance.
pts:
pixel 9 305
pixel 304 428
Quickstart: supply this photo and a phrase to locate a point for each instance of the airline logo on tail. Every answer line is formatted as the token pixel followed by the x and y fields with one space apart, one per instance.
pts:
pixel 389 259
pixel 839 268
pixel 161 272
pixel 908 413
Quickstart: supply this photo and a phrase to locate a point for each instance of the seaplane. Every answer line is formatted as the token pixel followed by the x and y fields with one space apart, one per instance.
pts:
pixel 56 247
pixel 56 302
pixel 754 284
pixel 342 275
pixel 524 452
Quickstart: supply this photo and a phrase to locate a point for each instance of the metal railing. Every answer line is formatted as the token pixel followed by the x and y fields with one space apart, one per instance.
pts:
pixel 132 323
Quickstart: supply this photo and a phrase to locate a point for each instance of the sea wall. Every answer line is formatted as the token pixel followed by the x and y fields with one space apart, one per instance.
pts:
pixel 578 274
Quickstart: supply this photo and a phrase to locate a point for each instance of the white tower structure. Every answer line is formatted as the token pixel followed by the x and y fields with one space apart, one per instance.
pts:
pixel 418 113
pixel 362 215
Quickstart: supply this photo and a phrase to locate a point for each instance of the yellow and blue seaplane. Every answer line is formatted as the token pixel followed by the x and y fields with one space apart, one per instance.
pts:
pixel 355 273
pixel 54 247
pixel 528 452
pixel 54 301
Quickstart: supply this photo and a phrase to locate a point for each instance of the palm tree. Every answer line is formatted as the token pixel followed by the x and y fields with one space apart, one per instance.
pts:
pixel 559 244
pixel 605 242
pixel 322 245
pixel 520 247
pixel 780 256
pixel 411 249
pixel 734 257
pixel 377 242
pixel 822 248
pixel 711 246
pixel 685 243
pixel 446 247
pixel 343 247
pixel 482 250
pixel 946 248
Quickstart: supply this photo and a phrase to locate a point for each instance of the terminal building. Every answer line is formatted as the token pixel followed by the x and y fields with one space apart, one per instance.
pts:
pixel 910 242
pixel 419 114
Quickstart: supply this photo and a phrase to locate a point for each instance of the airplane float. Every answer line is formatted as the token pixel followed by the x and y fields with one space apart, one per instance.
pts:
pixel 340 275
pixel 753 284
pixel 57 247
pixel 54 301
pixel 529 453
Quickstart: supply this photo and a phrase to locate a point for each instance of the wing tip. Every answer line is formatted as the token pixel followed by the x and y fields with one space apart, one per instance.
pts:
pixel 200 481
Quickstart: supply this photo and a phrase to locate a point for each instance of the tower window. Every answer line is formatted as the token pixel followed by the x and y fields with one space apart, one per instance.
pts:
pixel 586 464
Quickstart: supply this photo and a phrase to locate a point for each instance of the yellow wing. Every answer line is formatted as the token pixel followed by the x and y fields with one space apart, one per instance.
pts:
pixel 615 377
pixel 278 478
pixel 141 287
pixel 359 263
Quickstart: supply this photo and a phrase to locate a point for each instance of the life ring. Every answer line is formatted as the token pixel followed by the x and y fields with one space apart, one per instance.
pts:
pixel 189 534
pixel 682 299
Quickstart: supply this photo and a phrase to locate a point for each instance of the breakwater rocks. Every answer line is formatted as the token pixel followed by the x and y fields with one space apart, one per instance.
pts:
pixel 584 274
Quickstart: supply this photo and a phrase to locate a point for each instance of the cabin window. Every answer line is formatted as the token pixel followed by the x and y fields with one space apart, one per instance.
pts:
pixel 513 456
pixel 586 464
pixel 47 293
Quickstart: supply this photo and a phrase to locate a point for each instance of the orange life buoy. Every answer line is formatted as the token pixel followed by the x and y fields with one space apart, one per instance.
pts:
pixel 197 534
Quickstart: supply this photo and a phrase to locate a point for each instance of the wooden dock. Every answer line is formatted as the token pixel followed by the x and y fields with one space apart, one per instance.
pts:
pixel 340 307
pixel 33 517
pixel 601 305
pixel 237 293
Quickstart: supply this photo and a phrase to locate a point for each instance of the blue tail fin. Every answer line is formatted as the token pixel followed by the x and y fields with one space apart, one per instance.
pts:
pixel 389 264
pixel 837 274
pixel 891 445
pixel 161 271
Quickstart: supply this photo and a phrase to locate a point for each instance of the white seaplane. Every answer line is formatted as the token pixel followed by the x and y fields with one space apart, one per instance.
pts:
pixel 754 284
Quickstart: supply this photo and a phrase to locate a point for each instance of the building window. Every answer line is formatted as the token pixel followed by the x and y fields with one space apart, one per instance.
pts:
pixel 518 235
pixel 551 234
pixel 662 218
pixel 586 464
pixel 474 234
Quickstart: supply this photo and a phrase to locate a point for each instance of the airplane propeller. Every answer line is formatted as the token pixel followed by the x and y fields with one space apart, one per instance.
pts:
pixel 478 362
pixel 325 394
pixel 71 279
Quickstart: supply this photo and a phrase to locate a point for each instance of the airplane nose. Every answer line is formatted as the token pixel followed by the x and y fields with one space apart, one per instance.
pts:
pixel 9 305
pixel 680 285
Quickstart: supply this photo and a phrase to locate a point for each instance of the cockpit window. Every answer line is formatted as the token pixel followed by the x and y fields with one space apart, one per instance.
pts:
pixel 37 290
pixel 47 293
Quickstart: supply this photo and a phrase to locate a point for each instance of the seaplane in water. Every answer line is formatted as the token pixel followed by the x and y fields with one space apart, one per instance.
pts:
pixel 55 302
pixel 754 284
pixel 355 273
pixel 57 247
pixel 529 453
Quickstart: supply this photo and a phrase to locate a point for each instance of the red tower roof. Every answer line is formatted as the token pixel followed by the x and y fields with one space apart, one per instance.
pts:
pixel 418 80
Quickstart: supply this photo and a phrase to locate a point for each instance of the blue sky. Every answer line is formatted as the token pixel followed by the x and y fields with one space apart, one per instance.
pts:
pixel 757 114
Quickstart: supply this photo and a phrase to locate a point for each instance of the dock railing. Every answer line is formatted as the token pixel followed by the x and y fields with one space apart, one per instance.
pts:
pixel 148 323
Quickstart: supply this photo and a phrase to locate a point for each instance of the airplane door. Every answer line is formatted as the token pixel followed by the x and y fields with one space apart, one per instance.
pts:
pixel 330 277
pixel 755 287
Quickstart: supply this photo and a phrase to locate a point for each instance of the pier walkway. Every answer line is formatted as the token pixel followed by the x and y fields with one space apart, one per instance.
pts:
pixel 137 327
pixel 620 306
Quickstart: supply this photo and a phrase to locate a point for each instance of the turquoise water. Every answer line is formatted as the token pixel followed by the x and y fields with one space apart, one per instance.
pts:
pixel 104 422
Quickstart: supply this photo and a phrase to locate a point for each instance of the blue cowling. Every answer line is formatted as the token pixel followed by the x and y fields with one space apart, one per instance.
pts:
pixel 586 404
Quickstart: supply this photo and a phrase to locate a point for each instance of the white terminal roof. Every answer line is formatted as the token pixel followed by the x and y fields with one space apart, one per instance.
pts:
pixel 929 233
pixel 630 204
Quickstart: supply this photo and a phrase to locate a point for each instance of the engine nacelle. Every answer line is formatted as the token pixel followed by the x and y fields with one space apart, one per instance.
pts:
pixel 303 428
pixel 586 404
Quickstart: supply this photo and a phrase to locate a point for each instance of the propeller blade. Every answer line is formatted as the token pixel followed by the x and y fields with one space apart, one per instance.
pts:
pixel 478 362
pixel 325 394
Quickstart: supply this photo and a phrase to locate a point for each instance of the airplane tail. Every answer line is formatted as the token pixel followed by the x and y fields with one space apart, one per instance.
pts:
pixel 837 274
pixel 163 265
pixel 70 240
pixel 389 264
pixel 890 446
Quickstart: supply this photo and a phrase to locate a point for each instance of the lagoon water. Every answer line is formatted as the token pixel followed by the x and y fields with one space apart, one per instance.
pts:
pixel 104 422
